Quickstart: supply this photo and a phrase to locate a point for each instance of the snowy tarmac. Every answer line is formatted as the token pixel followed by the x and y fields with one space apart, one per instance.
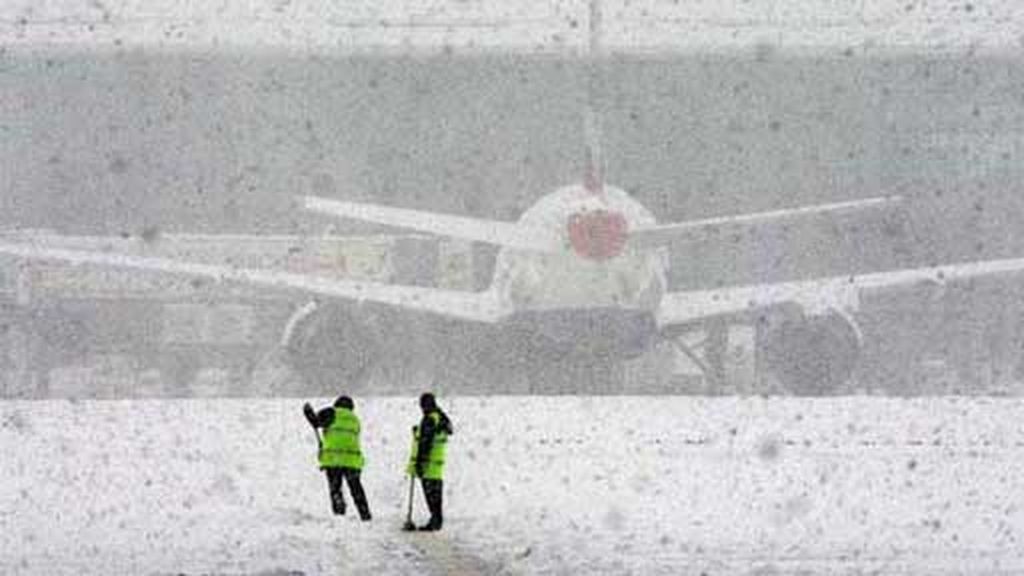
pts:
pixel 557 485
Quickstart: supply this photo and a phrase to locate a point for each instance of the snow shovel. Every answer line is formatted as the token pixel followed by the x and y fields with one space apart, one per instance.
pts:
pixel 409 526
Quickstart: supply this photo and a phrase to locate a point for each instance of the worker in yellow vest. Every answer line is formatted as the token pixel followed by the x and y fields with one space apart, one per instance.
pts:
pixel 426 461
pixel 340 456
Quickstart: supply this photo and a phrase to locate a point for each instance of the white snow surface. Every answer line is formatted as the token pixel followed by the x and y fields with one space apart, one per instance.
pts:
pixel 555 485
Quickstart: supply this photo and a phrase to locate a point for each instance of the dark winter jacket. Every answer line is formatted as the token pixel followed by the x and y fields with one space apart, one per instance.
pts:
pixel 427 432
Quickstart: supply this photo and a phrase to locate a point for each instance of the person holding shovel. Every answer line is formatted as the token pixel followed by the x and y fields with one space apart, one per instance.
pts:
pixel 340 456
pixel 426 460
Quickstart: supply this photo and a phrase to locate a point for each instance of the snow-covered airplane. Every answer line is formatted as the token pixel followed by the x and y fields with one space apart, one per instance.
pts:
pixel 581 274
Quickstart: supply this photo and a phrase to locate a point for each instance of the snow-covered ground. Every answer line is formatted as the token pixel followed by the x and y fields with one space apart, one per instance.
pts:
pixel 559 485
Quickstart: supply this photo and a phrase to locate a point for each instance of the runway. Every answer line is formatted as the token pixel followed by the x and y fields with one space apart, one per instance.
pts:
pixel 553 485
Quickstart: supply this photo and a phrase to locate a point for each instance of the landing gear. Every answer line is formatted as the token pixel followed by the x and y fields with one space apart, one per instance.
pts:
pixel 708 353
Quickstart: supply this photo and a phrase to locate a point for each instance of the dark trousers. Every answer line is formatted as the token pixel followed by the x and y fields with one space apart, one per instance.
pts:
pixel 432 492
pixel 334 485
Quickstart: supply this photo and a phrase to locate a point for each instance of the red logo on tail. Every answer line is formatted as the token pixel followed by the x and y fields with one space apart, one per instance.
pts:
pixel 598 235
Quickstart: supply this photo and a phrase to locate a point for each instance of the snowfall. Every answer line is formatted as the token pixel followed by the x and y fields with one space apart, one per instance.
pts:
pixel 535 485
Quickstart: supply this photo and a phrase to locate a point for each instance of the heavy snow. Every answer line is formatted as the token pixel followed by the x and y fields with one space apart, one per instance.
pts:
pixel 558 485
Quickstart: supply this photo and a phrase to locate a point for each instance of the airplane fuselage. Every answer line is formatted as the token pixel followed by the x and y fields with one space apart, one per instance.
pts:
pixel 597 293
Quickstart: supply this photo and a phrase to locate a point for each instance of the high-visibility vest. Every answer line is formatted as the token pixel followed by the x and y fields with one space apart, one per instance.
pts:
pixel 341 442
pixel 434 468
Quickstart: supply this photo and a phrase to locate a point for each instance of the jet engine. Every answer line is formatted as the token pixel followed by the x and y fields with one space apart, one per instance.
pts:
pixel 332 346
pixel 811 355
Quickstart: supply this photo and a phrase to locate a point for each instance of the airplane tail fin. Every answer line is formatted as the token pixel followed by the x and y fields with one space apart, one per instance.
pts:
pixel 593 167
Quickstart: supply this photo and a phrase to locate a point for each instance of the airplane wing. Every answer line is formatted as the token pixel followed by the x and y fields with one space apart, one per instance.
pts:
pixel 686 307
pixel 472 306
pixel 655 236
pixel 510 234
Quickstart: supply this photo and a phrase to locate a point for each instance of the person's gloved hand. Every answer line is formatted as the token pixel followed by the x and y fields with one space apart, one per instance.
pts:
pixel 310 414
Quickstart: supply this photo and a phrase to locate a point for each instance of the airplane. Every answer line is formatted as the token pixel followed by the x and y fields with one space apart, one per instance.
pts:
pixel 582 274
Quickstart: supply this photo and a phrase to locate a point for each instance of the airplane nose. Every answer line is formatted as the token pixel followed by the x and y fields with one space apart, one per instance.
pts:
pixel 598 234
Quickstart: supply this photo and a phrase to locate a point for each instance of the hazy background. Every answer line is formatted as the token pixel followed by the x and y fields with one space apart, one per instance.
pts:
pixel 113 142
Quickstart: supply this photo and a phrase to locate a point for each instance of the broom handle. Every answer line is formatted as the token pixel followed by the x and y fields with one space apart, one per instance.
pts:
pixel 408 510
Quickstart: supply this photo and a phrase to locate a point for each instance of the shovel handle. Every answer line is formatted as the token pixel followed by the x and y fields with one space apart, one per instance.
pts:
pixel 408 510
